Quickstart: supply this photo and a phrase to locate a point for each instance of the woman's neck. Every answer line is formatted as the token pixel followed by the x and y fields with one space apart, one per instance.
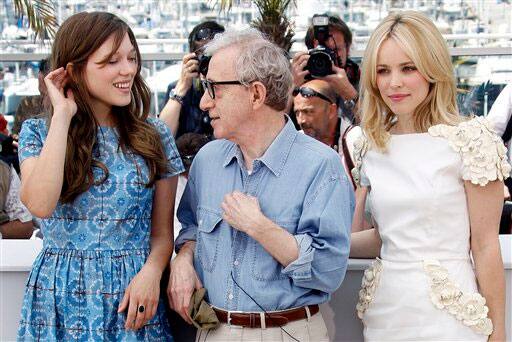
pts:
pixel 104 117
pixel 403 125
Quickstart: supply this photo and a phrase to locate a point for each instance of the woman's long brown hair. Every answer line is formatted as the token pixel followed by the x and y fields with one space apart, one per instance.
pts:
pixel 78 37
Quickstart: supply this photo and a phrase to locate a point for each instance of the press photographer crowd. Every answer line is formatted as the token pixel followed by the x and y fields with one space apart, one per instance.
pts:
pixel 232 214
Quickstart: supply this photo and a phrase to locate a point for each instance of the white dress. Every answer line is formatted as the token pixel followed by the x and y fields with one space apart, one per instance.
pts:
pixel 424 286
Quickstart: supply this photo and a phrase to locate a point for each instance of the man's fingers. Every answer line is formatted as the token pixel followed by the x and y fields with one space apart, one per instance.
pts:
pixel 169 297
pixel 193 63
pixel 303 64
pixel 186 304
pixel 225 207
pixel 188 57
pixel 303 74
pixel 299 56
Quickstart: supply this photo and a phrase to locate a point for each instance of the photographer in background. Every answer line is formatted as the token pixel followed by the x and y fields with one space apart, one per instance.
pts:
pixel 8 146
pixel 15 219
pixel 181 112
pixel 35 105
pixel 329 35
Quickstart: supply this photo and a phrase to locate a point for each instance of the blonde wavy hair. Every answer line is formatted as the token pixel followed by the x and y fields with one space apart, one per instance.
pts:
pixel 425 46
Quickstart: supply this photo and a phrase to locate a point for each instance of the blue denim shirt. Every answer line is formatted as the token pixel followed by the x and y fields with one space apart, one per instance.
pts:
pixel 302 187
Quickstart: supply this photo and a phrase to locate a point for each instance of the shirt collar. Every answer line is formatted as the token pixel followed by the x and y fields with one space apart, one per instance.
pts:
pixel 276 154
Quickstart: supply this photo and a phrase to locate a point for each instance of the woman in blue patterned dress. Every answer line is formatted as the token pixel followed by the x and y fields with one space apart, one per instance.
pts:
pixel 101 174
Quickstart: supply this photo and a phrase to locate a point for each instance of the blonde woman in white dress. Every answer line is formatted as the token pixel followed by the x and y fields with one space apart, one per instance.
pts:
pixel 435 185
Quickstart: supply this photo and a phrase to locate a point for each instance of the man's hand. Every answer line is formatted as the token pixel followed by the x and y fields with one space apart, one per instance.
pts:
pixel 189 71
pixel 338 81
pixel 341 84
pixel 242 212
pixel 182 282
pixel 298 64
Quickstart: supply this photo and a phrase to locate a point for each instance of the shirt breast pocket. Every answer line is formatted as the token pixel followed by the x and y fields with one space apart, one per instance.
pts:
pixel 208 238
pixel 264 266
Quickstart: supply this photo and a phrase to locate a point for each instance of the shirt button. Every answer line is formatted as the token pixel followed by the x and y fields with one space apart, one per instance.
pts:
pixel 231 296
pixel 200 222
pixel 236 263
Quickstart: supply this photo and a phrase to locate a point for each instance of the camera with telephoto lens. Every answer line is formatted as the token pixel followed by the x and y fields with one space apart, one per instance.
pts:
pixel 321 58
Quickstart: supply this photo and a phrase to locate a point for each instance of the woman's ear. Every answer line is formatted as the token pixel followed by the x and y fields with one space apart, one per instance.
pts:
pixel 69 70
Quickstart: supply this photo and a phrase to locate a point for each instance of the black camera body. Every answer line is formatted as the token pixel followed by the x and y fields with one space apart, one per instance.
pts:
pixel 321 58
pixel 204 61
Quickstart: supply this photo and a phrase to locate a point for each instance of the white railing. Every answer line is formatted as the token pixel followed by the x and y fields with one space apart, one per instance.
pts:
pixel 480 39
pixel 175 56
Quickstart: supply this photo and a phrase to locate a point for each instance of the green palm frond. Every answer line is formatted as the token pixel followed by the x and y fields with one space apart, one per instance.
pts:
pixel 40 15
pixel 225 4
pixel 272 21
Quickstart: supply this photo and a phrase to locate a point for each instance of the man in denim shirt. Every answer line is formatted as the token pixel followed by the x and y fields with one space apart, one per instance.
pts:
pixel 267 211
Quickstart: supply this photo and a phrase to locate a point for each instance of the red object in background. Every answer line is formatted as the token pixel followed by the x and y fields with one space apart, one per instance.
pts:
pixel 3 125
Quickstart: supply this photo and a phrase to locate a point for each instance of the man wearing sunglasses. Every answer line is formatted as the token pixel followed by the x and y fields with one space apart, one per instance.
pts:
pixel 266 213
pixel 316 111
pixel 181 111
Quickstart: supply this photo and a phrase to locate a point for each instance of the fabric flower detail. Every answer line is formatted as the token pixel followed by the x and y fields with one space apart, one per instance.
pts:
pixel 445 295
pixel 484 156
pixel 369 284
pixel 469 308
pixel 360 149
pixel 485 326
pixel 473 309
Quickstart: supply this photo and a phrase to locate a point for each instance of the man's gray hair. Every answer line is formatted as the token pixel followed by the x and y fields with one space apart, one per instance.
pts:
pixel 258 60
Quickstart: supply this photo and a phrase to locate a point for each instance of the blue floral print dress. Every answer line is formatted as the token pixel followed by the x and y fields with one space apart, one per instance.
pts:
pixel 93 248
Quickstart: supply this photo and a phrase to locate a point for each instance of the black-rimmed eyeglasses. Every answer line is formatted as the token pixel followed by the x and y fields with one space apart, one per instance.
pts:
pixel 210 85
pixel 308 92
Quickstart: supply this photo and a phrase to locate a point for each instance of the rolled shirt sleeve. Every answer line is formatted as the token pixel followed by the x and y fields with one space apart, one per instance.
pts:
pixel 323 236
pixel 187 214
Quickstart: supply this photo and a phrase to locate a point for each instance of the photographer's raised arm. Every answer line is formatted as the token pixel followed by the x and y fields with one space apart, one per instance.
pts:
pixel 170 114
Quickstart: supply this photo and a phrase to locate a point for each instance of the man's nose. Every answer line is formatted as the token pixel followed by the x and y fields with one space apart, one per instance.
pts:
pixel 300 118
pixel 206 102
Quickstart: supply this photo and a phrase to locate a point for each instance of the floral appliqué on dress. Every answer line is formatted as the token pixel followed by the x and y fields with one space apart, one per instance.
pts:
pixel 469 308
pixel 369 284
pixel 360 149
pixel 484 156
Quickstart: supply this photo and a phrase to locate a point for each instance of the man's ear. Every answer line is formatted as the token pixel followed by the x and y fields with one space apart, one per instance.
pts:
pixel 333 110
pixel 259 94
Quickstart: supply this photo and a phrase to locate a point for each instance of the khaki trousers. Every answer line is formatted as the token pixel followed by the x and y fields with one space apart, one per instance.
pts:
pixel 304 330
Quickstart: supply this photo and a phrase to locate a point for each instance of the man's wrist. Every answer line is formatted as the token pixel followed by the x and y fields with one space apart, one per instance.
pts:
pixel 347 92
pixel 261 228
pixel 187 251
pixel 351 103
pixel 180 89
pixel 175 96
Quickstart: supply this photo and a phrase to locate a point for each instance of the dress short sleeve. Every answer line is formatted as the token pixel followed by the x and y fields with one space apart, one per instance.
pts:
pixel 31 138
pixel 174 163
pixel 360 149
pixel 484 156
